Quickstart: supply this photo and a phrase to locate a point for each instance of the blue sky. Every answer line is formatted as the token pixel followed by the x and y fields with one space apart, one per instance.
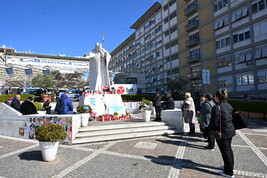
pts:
pixel 70 27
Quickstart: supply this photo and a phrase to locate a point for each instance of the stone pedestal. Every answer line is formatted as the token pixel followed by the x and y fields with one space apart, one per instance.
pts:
pixel 174 118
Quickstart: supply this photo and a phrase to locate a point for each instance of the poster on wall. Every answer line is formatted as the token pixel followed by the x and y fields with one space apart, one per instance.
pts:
pixel 29 128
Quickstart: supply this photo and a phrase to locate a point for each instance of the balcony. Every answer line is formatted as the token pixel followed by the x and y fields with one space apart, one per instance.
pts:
pixel 193 58
pixel 192 8
pixel 194 75
pixel 191 26
pixel 192 42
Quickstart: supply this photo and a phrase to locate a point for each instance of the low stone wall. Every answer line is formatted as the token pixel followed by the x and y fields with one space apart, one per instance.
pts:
pixel 14 124
pixel 174 118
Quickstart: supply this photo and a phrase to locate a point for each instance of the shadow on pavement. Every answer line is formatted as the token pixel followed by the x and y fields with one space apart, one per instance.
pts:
pixel 183 163
pixel 31 156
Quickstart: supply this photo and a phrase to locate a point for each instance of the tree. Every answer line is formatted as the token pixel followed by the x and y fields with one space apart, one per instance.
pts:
pixel 44 81
pixel 177 85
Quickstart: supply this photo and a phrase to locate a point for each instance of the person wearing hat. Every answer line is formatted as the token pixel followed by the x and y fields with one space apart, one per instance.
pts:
pixel 8 101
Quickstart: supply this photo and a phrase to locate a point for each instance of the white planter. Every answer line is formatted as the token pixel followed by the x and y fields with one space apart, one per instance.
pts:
pixel 49 150
pixel 85 119
pixel 146 115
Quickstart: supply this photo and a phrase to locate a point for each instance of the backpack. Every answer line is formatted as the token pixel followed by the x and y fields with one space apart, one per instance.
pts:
pixel 60 106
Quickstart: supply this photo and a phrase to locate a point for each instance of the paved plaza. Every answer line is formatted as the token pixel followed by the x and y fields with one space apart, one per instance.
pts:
pixel 178 155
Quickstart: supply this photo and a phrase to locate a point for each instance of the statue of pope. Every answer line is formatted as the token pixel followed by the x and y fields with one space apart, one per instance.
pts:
pixel 99 59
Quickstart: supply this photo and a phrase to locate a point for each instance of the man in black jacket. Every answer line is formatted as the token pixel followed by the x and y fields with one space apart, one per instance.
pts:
pixel 27 107
pixel 16 103
pixel 169 103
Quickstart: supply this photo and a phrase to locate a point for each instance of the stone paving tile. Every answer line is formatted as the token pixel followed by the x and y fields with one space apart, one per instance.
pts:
pixel 106 166
pixel 259 141
pixel 94 145
pixel 30 164
pixel 165 148
pixel 8 145
pixel 247 160
pixel 237 140
pixel 264 152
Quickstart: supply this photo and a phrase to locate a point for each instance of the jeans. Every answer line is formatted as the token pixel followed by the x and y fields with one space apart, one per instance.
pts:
pixel 192 128
pixel 211 139
pixel 227 155
pixel 158 112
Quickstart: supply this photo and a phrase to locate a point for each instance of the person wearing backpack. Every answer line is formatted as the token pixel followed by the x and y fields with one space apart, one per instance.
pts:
pixel 205 112
pixel 223 128
pixel 64 105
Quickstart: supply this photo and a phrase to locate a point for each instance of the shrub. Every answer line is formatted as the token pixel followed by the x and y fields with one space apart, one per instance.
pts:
pixel 38 106
pixel 249 106
pixel 145 104
pixel 3 98
pixel 50 133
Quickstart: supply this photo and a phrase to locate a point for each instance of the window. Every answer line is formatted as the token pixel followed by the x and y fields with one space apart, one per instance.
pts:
pixel 173 29
pixel 171 2
pixel 173 43
pixel 172 15
pixel 260 28
pixel 241 35
pixel 258 5
pixel 240 13
pixel 166 33
pixel 166 20
pixel 165 8
pixel 224 61
pixel 195 52
pixel 173 57
pixel 222 43
pixel 221 23
pixel 262 79
pixel 225 83
pixel 261 52
pixel 245 80
pixel 219 4
pixel 167 46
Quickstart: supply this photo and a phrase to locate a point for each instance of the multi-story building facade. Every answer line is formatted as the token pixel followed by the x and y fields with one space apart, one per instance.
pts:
pixel 213 44
pixel 37 63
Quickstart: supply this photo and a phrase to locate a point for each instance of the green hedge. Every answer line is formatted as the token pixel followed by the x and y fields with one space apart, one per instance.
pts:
pixel 249 106
pixel 148 97
pixel 3 98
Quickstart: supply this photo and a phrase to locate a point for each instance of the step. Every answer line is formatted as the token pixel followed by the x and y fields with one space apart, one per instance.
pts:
pixel 120 126
pixel 121 136
pixel 123 131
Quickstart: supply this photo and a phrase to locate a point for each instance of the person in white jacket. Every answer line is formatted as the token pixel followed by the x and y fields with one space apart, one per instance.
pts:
pixel 189 112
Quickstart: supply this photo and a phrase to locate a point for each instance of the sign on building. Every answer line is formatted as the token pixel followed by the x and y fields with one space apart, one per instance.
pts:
pixel 125 88
pixel 206 76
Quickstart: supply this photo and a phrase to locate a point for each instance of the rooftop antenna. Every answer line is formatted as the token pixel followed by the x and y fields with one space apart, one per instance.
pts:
pixel 103 38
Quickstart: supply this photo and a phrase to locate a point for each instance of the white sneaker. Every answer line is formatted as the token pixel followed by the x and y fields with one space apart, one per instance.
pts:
pixel 222 167
pixel 225 175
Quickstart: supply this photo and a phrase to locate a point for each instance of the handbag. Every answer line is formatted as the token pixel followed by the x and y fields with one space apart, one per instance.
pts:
pixel 239 121
pixel 218 134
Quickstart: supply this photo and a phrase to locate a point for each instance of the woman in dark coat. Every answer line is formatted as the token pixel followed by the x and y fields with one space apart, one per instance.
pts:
pixel 224 111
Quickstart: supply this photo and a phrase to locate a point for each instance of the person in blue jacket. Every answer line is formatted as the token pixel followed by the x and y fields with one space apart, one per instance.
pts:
pixel 64 105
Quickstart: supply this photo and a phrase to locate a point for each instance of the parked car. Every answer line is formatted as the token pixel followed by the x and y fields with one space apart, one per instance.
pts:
pixel 74 94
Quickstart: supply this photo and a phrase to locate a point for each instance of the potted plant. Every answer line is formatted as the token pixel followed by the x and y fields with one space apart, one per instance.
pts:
pixel 49 136
pixel 85 111
pixel 146 108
